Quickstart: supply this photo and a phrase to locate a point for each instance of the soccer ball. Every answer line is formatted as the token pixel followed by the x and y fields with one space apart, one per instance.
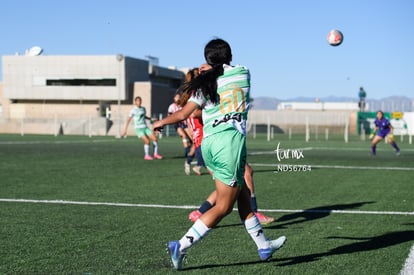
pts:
pixel 335 38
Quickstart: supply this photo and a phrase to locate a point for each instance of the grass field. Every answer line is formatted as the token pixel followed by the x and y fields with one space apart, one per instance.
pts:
pixel 96 207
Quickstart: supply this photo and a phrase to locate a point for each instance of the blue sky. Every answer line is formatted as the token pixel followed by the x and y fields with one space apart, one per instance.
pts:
pixel 282 42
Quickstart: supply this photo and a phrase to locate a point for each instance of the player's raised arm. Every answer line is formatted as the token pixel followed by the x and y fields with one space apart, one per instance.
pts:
pixel 180 115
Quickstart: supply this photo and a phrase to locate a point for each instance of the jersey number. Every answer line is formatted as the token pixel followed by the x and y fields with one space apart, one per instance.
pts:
pixel 232 101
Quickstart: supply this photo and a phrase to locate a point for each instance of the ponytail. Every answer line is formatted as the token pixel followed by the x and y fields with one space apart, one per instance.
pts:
pixel 217 52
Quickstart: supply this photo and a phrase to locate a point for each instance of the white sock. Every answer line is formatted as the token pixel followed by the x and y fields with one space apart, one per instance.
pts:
pixel 254 228
pixel 194 234
pixel 155 147
pixel 146 149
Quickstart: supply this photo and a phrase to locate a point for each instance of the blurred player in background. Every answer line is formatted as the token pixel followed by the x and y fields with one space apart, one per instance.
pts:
pixel 195 123
pixel 382 129
pixel 182 130
pixel 138 114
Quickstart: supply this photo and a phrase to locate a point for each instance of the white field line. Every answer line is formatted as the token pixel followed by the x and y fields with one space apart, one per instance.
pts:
pixel 325 148
pixel 408 268
pixel 51 142
pixel 368 148
pixel 194 206
pixel 250 153
pixel 364 167
pixel 338 166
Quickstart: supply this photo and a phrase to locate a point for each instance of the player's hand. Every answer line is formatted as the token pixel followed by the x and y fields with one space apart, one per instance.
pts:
pixel 204 67
pixel 371 136
pixel 157 126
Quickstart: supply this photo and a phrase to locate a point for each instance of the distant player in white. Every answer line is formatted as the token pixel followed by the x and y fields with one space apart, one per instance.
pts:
pixel 138 113
pixel 183 131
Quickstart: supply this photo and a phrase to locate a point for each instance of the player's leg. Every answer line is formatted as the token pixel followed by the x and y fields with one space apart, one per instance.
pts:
pixel 187 147
pixel 265 247
pixel 226 196
pixel 374 143
pixel 188 132
pixel 204 207
pixel 211 200
pixel 225 155
pixel 200 161
pixel 154 140
pixel 248 178
pixel 189 158
pixel 185 139
pixel 244 206
pixel 189 136
pixel 218 151
pixel 146 142
pixel 392 142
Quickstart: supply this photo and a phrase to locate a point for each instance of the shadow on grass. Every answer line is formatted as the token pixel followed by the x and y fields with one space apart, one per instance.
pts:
pixel 362 244
pixel 305 215
pixel 314 214
pixel 223 265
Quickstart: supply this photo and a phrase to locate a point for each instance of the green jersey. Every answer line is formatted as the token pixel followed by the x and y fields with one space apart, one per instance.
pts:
pixel 230 111
pixel 138 114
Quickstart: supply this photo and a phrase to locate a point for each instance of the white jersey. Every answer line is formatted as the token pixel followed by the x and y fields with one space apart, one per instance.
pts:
pixel 174 107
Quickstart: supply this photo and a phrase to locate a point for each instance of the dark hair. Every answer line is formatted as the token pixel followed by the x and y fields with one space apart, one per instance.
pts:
pixel 190 75
pixel 217 52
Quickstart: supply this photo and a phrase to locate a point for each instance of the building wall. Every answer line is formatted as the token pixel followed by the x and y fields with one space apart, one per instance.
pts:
pixel 318 106
pixel 72 91
pixel 26 77
pixel 135 71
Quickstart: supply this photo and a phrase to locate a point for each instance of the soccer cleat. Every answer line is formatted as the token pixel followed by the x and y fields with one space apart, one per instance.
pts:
pixel 263 219
pixel 148 157
pixel 266 254
pixel 397 152
pixel 187 168
pixel 156 156
pixel 177 256
pixel 196 170
pixel 195 215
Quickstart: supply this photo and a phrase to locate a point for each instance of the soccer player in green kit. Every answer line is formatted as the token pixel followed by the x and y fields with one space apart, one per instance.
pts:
pixel 138 114
pixel 222 92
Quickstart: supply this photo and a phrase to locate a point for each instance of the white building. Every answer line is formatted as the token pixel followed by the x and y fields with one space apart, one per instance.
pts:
pixel 44 87
pixel 318 106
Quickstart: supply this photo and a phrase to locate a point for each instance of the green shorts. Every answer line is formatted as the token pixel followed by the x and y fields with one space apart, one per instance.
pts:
pixel 224 154
pixel 143 132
